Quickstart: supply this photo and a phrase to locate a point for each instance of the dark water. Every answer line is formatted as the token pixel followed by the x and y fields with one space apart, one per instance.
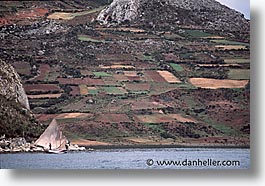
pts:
pixel 130 159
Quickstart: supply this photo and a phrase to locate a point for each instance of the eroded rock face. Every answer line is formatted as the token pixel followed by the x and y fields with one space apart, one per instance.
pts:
pixel 11 86
pixel 120 11
pixel 205 14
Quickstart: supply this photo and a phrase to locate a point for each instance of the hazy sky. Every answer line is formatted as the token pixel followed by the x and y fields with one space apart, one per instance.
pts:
pixel 239 5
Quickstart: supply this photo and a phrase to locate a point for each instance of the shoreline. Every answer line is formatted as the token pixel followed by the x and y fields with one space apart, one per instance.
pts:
pixel 99 147
pixel 113 147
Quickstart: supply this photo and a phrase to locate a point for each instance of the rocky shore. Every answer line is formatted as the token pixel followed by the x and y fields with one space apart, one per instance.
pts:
pixel 15 145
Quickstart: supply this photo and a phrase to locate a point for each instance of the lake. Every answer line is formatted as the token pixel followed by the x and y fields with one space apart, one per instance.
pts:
pixel 155 158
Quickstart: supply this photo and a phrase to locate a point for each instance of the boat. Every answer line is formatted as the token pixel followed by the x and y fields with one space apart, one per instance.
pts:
pixel 52 139
pixel 56 151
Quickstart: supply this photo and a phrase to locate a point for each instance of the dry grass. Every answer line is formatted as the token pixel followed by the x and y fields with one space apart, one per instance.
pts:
pixel 169 77
pixel 40 96
pixel 230 47
pixel 83 89
pixel 61 15
pixel 216 83
pixel 130 73
pixel 73 115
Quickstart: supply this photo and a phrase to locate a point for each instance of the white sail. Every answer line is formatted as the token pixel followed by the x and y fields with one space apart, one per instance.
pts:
pixel 52 136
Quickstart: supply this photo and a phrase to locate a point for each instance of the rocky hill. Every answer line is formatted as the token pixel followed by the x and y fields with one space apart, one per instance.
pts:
pixel 205 14
pixel 15 117
pixel 11 86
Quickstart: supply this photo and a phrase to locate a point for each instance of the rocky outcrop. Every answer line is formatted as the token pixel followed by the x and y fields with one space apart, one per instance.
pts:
pixel 205 14
pixel 16 120
pixel 11 86
pixel 120 11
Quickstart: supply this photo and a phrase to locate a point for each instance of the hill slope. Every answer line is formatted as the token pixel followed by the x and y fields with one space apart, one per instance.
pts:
pixel 205 14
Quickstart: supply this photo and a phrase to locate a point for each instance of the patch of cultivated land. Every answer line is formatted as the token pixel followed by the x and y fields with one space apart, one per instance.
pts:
pixel 230 47
pixel 83 90
pixel 137 86
pixel 42 96
pixel 22 68
pixel 74 115
pixel 182 119
pixel 239 74
pixel 113 118
pixel 29 88
pixel 169 77
pixel 217 83
pixel 237 60
pixel 154 118
pixel 44 69
pixel 69 16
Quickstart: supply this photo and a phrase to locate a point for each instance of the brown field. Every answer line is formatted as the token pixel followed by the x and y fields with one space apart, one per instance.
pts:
pixel 137 86
pixel 45 117
pixel 230 47
pixel 80 81
pixel 75 91
pixel 41 88
pixel 40 96
pixel 86 72
pixel 155 76
pixel 33 13
pixel 113 118
pixel 171 57
pixel 120 77
pixel 182 119
pixel 134 78
pixel 154 118
pixel 44 70
pixel 169 77
pixel 216 83
pixel 130 73
pixel 22 68
pixel 83 90
pixel 74 116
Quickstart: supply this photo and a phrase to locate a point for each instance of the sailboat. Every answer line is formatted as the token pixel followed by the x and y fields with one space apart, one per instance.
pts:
pixel 52 139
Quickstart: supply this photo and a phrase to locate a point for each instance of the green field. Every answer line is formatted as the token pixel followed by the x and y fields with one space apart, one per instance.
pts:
pixel 227 42
pixel 102 74
pixel 87 38
pixel 113 90
pixel 237 60
pixel 176 67
pixel 93 92
pixel 145 57
pixel 197 33
pixel 239 74
pixel 186 56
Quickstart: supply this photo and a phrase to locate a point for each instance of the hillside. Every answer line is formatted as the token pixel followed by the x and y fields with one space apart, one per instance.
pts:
pixel 133 72
pixel 203 14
